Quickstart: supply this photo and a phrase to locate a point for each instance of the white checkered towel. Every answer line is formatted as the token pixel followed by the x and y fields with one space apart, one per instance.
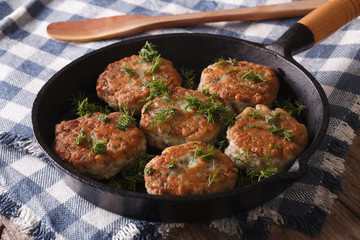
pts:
pixel 33 195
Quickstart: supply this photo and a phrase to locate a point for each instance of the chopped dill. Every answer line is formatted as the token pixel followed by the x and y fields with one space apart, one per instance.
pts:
pixel 148 52
pixel 126 118
pixel 104 118
pixel 131 177
pixel 81 138
pixel 161 116
pixel 149 170
pixel 232 61
pixel 253 76
pixel 188 77
pixel 214 176
pixel 255 115
pixel 271 117
pixel 155 64
pixel 99 147
pixel 192 101
pixel 232 71
pixel 293 108
pixel 157 88
pixel 171 165
pixel 250 175
pixel 287 134
pixel 128 71
pixel 147 107
pixel 206 153
pixel 86 108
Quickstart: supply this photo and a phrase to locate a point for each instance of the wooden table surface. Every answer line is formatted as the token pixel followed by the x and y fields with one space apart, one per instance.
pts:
pixel 342 224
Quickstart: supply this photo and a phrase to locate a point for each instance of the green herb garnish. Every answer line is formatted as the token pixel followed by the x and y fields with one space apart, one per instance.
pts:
pixel 293 108
pixel 99 147
pixel 171 165
pixel 161 116
pixel 253 76
pixel 157 88
pixel 149 170
pixel 214 176
pixel 205 152
pixel 81 138
pixel 254 115
pixel 131 177
pixel 270 117
pixel 126 118
pixel 86 108
pixel 155 64
pixel 232 71
pixel 148 52
pixel 188 77
pixel 104 118
pixel 128 71
pixel 287 134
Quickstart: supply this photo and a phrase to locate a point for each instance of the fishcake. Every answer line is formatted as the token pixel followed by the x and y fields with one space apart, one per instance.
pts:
pixel 124 82
pixel 261 137
pixel 96 146
pixel 240 84
pixel 182 116
pixel 188 169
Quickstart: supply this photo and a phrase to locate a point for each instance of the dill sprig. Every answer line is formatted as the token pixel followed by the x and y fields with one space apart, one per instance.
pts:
pixel 99 147
pixel 294 108
pixel 126 118
pixel 206 153
pixel 128 71
pixel 162 115
pixel 287 134
pixel 253 76
pixel 148 52
pixel 214 175
pixel 252 176
pixel 156 88
pixel 82 139
pixel 86 108
pixel 211 109
pixel 155 64
pixel 131 177
pixel 188 77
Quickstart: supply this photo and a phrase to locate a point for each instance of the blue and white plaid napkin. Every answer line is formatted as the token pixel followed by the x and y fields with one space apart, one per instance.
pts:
pixel 34 196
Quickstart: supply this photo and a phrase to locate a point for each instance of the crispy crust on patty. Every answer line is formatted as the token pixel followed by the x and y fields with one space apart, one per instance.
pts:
pixel 241 84
pixel 260 134
pixel 180 171
pixel 121 146
pixel 181 124
pixel 117 87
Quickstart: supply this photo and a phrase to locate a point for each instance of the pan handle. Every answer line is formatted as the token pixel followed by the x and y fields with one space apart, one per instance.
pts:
pixel 316 26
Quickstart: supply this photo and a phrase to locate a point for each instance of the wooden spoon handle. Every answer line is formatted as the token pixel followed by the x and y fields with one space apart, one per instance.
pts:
pixel 126 25
pixel 330 17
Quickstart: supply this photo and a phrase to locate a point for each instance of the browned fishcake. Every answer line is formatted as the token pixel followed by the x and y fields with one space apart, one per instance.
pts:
pixel 240 84
pixel 174 119
pixel 260 135
pixel 123 82
pixel 189 169
pixel 96 147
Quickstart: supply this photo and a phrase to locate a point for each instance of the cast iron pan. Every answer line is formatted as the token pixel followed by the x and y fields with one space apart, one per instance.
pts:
pixel 195 51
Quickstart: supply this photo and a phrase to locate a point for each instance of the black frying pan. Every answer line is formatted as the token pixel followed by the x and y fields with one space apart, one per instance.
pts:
pixel 196 51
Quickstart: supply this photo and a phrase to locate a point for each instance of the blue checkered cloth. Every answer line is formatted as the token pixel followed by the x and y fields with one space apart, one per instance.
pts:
pixel 33 195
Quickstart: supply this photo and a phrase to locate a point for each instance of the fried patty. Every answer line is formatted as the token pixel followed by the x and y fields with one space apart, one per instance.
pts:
pixel 189 169
pixel 261 137
pixel 181 117
pixel 240 84
pixel 123 82
pixel 95 146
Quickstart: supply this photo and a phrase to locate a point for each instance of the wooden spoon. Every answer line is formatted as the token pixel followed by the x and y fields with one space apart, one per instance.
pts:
pixel 126 25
